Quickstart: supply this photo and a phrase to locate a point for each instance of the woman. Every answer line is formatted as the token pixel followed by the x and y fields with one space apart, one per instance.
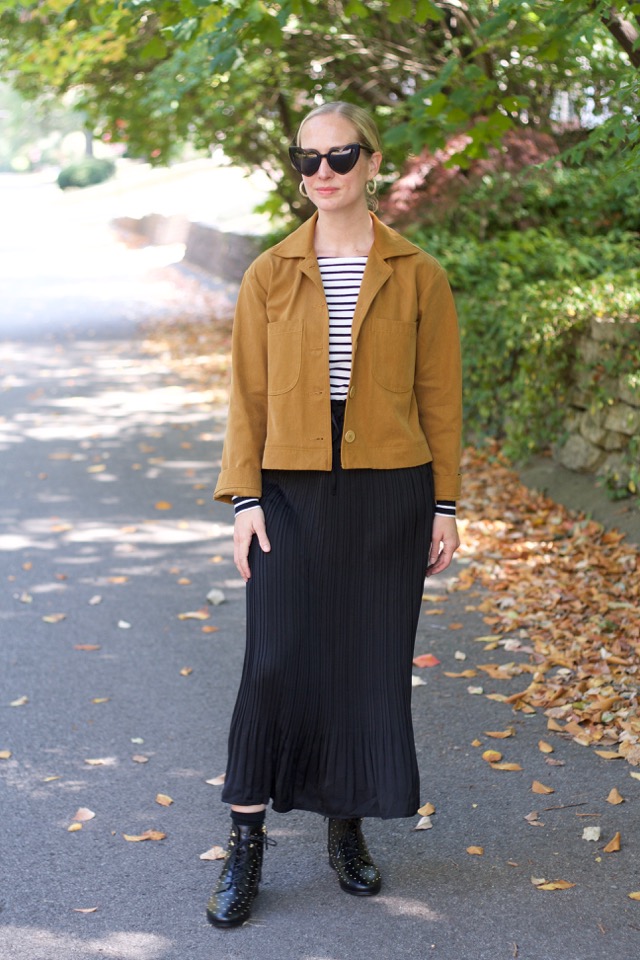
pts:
pixel 344 429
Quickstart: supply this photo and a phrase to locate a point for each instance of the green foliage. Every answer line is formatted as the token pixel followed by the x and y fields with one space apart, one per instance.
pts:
pixel 242 73
pixel 86 172
pixel 530 270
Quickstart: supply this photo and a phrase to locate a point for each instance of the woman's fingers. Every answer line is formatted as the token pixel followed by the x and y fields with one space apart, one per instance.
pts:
pixel 444 543
pixel 247 524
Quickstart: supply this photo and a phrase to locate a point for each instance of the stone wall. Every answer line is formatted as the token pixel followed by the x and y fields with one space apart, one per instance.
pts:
pixel 604 412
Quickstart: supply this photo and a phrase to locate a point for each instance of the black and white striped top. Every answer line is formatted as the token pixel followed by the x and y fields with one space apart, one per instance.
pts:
pixel 341 279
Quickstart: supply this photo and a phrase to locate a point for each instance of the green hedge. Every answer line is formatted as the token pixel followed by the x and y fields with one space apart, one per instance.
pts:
pixel 86 172
pixel 532 260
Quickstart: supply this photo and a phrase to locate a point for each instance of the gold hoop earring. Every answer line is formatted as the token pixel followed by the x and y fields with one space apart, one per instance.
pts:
pixel 371 187
pixel 302 190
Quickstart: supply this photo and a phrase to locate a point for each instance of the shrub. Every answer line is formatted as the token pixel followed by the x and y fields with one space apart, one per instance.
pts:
pixel 86 172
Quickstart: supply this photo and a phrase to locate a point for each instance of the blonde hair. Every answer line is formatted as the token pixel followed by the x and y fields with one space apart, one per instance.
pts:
pixel 368 135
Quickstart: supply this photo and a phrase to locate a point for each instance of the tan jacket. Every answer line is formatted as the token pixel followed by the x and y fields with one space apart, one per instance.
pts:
pixel 404 406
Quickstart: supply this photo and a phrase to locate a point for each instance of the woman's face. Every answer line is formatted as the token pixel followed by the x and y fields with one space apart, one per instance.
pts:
pixel 328 190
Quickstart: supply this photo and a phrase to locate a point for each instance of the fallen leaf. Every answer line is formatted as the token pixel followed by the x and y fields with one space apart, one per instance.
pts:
pixel 183 581
pixel 498 697
pixel 186 671
pixel 87 646
pixel 25 597
pixel 94 601
pixel 609 754
pixel 138 758
pixel 554 725
pixel 51 779
pixel 97 468
pixel 74 828
pixel 163 505
pixel 124 624
pixel 544 747
pixel 194 615
pixel 534 819
pixel 215 853
pixel 492 756
pixel 456 626
pixel 427 810
pixel 164 800
pixel 475 690
pixel 5 754
pixel 475 851
pixel 215 596
pixel 101 700
pixel 500 734
pixel 635 895
pixel 615 797
pixel 459 655
pixel 209 628
pixel 636 776
pixel 83 814
pixel 20 702
pixel 476 743
pixel 54 617
pixel 466 674
pixel 217 781
pixel 147 835
pixel 614 844
pixel 100 761
pixel 538 787
pixel 118 579
pixel 84 909
pixel 506 766
pixel 434 612
pixel 591 833
pixel 424 823
pixel 555 885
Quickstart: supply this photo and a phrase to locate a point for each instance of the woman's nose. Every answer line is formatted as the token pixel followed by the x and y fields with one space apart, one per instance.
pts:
pixel 324 170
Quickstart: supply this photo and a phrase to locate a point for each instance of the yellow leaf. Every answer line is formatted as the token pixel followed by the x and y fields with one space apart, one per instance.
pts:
pixel 183 581
pixel 100 761
pixel 209 628
pixel 427 810
pixel 538 787
pixel 475 851
pixel 467 674
pixel 635 775
pixel 555 885
pixel 5 754
pixel 492 756
pixel 186 671
pixel 614 844
pixel 194 615
pixel 84 909
pixel 54 617
pixel 544 747
pixel 499 697
pixel 163 505
pixel 164 800
pixel 610 755
pixel 118 579
pixel 635 895
pixel 615 797
pixel 147 835
pixel 476 743
pixel 97 468
pixel 500 734
pixel 74 828
pixel 51 779
pixel 101 700
pixel 436 612
pixel 215 853
pixel 554 725
pixel 506 766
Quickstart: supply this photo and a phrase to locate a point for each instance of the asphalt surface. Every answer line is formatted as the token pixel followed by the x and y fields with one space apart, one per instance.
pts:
pixel 108 463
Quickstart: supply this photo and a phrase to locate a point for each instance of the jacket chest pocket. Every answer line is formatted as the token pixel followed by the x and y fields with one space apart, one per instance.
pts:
pixel 284 355
pixel 394 354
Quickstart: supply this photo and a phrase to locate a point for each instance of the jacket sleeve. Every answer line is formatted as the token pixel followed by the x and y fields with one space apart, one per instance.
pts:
pixel 438 381
pixel 240 472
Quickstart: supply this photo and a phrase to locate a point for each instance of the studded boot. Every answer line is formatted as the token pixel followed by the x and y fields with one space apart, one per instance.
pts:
pixel 231 901
pixel 350 858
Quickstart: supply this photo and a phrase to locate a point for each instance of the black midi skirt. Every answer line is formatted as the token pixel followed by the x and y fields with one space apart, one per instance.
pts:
pixel 322 720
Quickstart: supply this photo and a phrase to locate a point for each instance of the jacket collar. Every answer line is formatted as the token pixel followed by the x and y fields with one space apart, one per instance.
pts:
pixel 386 241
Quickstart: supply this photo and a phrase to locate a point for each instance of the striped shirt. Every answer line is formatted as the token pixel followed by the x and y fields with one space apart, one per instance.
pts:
pixel 341 279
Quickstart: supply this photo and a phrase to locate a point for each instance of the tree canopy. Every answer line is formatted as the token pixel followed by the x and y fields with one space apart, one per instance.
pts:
pixel 242 73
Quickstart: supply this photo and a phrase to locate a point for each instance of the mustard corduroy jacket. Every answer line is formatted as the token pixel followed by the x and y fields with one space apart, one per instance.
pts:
pixel 404 406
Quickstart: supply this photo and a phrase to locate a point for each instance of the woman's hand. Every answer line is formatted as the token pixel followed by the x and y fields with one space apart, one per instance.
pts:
pixel 248 523
pixel 444 543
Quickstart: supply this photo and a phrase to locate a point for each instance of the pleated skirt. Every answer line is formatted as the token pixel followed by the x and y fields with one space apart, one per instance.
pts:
pixel 322 720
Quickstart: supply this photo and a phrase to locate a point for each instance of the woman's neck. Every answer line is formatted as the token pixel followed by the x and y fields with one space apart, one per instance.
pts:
pixel 341 236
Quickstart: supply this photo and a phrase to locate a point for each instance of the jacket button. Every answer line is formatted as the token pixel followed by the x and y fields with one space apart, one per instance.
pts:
pixel 349 436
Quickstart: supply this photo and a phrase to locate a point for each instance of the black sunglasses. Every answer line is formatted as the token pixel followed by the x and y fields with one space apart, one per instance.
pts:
pixel 340 159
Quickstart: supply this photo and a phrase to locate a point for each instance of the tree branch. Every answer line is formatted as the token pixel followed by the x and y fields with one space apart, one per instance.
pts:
pixel 624 32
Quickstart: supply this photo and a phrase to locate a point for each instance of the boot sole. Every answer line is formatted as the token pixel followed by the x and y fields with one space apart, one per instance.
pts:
pixel 224 924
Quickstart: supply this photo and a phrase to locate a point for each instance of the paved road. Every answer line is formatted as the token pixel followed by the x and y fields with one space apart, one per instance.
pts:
pixel 94 435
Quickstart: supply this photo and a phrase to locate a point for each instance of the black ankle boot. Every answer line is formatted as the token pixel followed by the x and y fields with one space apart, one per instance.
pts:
pixel 350 858
pixel 237 887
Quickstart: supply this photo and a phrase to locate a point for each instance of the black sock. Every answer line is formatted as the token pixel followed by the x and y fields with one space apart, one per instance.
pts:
pixel 248 819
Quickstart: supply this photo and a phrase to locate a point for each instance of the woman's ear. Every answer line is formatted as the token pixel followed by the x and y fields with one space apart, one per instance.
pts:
pixel 374 164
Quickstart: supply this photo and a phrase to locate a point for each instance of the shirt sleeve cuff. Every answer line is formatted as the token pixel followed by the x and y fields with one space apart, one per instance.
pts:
pixel 446 508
